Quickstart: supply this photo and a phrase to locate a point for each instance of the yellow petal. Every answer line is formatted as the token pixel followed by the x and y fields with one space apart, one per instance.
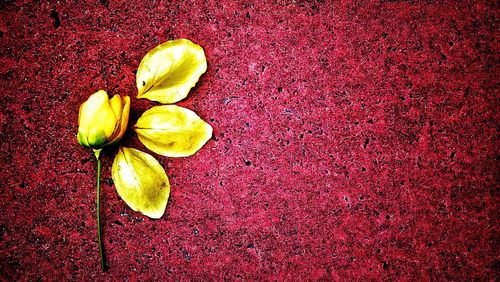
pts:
pixel 170 70
pixel 141 182
pixel 172 131
pixel 96 138
pixel 116 105
pixel 96 112
pixel 125 115
pixel 122 124
pixel 82 139
pixel 90 107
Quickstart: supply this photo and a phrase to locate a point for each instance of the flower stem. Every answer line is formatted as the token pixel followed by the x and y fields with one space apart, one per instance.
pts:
pixel 97 153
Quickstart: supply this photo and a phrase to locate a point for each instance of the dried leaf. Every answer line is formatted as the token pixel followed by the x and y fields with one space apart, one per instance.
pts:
pixel 172 131
pixel 141 182
pixel 170 70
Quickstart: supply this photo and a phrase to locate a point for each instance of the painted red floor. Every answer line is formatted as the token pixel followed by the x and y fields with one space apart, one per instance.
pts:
pixel 352 141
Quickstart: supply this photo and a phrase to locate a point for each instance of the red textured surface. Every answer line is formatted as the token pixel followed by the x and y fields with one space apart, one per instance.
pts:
pixel 351 141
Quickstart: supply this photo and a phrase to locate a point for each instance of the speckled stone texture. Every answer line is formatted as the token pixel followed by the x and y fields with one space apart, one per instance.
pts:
pixel 352 140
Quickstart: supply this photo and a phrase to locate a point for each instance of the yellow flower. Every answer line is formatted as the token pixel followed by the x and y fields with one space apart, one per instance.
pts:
pixel 102 121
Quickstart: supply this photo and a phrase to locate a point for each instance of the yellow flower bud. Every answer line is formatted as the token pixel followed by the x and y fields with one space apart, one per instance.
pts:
pixel 102 121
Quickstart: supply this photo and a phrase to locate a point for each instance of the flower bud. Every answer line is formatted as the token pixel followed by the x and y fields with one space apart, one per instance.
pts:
pixel 102 121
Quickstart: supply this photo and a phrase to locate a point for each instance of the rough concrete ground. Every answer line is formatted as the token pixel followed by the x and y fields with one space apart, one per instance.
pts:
pixel 352 140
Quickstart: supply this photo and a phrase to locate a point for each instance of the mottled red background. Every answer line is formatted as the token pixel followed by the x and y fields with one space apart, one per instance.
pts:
pixel 352 140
